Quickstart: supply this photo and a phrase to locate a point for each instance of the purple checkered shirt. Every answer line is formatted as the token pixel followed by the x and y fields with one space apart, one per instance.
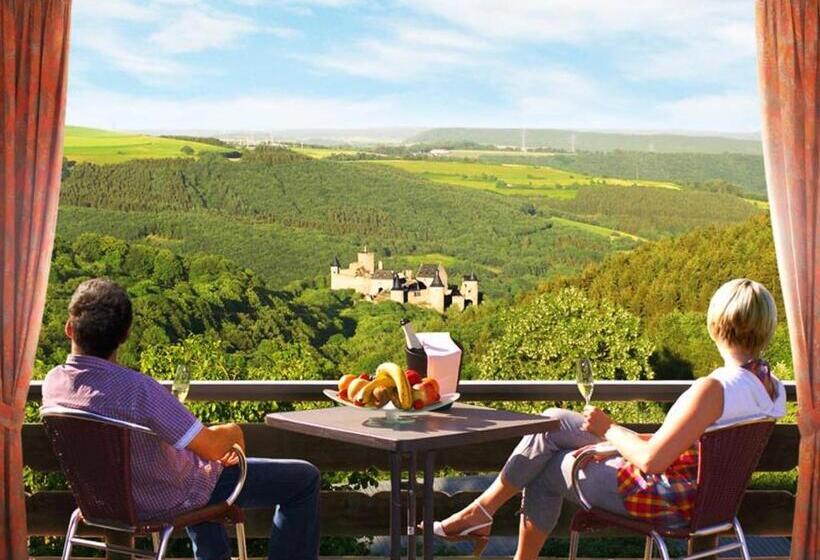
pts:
pixel 167 478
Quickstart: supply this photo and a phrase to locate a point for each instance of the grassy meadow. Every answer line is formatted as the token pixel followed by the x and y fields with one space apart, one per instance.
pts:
pixel 510 179
pixel 93 145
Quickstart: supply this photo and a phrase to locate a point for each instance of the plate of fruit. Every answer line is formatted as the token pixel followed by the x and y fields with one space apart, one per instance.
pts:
pixel 391 390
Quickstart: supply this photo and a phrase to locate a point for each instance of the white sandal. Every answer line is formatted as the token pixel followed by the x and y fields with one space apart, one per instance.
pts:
pixel 479 541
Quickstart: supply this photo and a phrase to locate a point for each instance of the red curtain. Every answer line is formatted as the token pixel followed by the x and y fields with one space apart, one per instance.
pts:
pixel 787 36
pixel 33 76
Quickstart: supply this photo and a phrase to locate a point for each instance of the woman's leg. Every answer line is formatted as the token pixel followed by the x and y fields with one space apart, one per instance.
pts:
pixel 543 498
pixel 526 462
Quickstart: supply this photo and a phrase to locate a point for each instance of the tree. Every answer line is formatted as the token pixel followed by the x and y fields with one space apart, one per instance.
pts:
pixel 187 150
pixel 545 337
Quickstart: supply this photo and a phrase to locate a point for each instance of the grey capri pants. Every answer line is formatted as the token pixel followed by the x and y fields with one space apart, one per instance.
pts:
pixel 541 465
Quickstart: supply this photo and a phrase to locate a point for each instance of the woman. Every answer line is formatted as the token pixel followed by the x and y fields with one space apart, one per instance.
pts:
pixel 662 466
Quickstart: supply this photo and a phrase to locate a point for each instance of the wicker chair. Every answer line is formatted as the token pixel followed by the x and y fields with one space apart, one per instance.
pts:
pixel 94 454
pixel 728 457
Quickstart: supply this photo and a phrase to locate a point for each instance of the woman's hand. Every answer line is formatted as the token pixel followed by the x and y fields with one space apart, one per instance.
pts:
pixel 596 421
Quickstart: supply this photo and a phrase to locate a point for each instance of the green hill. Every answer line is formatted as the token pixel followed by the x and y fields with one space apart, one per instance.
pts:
pixel 558 139
pixel 287 220
pixel 669 284
pixel 94 145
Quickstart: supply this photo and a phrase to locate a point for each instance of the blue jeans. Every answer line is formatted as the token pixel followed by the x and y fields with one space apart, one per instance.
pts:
pixel 292 486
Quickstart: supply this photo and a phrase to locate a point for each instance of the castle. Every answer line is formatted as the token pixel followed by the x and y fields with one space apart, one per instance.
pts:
pixel 428 287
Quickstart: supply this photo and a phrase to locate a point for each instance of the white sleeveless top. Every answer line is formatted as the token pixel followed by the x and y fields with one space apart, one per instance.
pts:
pixel 745 397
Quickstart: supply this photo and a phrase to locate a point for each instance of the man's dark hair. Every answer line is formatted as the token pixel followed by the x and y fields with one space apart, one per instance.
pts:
pixel 100 313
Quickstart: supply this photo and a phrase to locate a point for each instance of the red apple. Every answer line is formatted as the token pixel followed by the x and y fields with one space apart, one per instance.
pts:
pixel 344 382
pixel 413 377
pixel 427 391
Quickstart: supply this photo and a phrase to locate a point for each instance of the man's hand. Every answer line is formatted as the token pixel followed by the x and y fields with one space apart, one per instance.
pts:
pixel 596 421
pixel 214 443
pixel 230 459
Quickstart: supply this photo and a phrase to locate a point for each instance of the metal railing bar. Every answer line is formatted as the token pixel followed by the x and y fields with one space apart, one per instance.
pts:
pixel 298 391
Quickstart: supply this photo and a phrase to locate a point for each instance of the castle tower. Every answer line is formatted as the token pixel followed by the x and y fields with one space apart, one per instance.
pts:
pixel 469 289
pixel 335 269
pixel 397 293
pixel 436 294
pixel 367 260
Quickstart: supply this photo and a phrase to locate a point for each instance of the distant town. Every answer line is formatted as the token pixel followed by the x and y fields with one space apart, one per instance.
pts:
pixel 427 287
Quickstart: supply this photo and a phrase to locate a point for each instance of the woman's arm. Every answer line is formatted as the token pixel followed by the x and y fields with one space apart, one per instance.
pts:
pixel 695 411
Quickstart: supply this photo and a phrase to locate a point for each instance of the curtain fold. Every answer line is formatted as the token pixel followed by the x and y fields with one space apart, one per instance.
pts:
pixel 787 37
pixel 33 76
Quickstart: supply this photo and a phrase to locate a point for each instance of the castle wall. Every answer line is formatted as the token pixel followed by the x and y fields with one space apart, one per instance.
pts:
pixel 436 299
pixel 469 290
pixel 367 261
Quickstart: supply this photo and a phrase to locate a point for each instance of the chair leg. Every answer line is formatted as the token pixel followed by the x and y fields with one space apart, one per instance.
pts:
pixel 741 538
pixel 661 545
pixel 241 545
pixel 163 543
pixel 73 522
pixel 647 550
pixel 574 537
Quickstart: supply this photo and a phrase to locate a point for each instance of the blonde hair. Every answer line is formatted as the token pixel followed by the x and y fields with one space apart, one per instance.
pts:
pixel 742 314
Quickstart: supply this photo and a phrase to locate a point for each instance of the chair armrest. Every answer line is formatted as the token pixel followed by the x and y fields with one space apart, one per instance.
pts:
pixel 599 451
pixel 243 474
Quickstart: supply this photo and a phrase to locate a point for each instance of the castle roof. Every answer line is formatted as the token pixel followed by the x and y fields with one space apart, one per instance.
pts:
pixel 471 278
pixel 437 283
pixel 336 261
pixel 382 274
pixel 427 270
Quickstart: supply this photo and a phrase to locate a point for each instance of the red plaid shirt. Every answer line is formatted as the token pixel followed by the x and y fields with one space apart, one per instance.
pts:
pixel 667 498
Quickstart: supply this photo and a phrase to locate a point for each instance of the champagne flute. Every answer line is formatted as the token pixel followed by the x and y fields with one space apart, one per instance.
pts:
pixel 584 378
pixel 182 383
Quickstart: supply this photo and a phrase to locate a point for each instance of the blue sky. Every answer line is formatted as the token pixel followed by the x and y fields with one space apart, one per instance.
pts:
pixel 265 64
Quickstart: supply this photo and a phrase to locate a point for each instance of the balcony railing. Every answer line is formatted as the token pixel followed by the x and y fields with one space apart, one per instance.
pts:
pixel 352 513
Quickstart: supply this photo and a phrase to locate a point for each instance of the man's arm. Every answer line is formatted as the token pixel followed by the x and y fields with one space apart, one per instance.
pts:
pixel 214 443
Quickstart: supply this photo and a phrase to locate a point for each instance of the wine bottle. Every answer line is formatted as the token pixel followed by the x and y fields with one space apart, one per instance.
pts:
pixel 410 337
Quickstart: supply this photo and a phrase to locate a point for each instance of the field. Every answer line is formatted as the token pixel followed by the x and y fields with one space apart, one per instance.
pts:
pixel 477 154
pixel 321 153
pixel 93 145
pixel 510 179
pixel 597 230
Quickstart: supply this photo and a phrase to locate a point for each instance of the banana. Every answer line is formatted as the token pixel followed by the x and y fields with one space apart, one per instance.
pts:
pixel 404 392
pixel 366 394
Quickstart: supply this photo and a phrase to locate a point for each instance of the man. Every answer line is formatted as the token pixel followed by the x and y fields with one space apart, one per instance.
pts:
pixel 188 465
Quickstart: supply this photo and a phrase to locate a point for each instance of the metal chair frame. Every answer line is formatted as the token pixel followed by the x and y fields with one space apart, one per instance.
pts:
pixel 161 538
pixel 655 538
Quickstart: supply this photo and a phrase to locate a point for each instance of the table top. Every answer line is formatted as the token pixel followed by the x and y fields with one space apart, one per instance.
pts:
pixel 460 425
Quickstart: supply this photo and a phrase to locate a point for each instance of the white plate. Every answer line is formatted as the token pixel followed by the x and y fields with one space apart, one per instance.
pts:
pixel 447 399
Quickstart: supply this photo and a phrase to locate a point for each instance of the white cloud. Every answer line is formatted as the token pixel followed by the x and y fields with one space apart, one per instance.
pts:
pixel 390 61
pixel 731 110
pixel 196 30
pixel 144 39
pixel 105 109
pixel 582 21
pixel 148 67
pixel 125 10
pixel 409 50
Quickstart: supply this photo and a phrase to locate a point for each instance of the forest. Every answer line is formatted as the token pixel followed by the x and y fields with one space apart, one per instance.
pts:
pixel 287 215
pixel 743 170
pixel 289 219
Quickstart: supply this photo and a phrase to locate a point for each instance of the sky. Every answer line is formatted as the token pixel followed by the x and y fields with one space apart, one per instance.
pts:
pixel 272 65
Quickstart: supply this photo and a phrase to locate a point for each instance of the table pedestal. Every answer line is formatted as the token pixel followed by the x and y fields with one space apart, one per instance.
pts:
pixel 397 462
